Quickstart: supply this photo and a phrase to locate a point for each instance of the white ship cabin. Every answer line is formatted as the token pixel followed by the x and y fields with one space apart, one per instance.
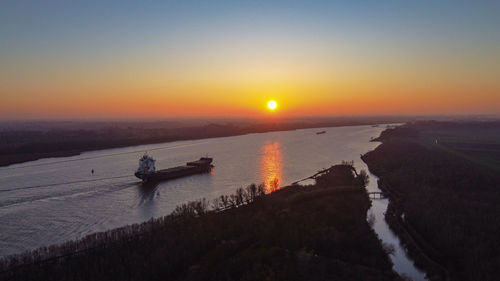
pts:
pixel 146 165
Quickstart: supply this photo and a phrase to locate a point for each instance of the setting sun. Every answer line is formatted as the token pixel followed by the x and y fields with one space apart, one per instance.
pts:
pixel 272 105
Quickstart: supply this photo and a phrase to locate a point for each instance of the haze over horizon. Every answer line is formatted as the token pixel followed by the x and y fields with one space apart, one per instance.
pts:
pixel 89 59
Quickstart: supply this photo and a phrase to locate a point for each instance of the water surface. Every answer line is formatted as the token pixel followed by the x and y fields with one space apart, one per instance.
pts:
pixel 50 201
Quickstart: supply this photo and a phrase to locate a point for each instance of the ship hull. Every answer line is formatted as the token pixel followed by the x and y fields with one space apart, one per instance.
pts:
pixel 177 172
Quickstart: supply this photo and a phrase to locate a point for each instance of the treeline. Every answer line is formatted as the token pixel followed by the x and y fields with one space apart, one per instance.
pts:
pixel 448 205
pixel 295 233
pixel 242 196
pixel 93 241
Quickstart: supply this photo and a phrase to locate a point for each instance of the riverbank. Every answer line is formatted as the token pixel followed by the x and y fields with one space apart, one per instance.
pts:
pixel 317 232
pixel 20 145
pixel 443 201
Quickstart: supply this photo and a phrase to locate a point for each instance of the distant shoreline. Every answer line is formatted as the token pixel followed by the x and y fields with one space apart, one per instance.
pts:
pixel 54 147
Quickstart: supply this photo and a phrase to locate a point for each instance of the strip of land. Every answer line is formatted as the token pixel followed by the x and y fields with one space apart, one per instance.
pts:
pixel 444 185
pixel 22 142
pixel 316 232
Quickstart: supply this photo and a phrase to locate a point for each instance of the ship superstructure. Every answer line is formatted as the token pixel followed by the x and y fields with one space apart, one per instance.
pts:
pixel 146 165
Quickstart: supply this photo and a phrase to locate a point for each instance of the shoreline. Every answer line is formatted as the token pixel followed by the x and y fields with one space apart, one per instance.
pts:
pixel 290 232
pixel 11 159
pixel 422 254
pixel 442 205
pixel 416 247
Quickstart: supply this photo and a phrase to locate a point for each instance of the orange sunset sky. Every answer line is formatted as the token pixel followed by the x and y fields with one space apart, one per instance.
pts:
pixel 216 58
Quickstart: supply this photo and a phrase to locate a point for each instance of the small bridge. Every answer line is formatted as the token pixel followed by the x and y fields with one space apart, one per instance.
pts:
pixel 377 195
pixel 313 176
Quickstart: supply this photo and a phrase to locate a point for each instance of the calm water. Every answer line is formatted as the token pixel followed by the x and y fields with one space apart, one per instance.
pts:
pixel 402 263
pixel 53 200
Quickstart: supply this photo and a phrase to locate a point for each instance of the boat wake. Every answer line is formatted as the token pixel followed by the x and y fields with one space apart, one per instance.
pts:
pixel 65 195
pixel 63 183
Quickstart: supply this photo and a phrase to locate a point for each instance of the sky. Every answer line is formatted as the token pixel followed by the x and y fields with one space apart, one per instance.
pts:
pixel 85 59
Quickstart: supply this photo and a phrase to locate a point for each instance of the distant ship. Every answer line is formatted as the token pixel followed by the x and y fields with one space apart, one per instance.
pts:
pixel 319 133
pixel 147 170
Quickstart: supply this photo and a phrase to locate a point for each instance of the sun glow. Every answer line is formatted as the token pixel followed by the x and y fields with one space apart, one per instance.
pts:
pixel 271 166
pixel 272 105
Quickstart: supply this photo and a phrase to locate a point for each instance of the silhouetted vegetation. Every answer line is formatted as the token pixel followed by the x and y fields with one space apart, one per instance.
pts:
pixel 442 199
pixel 315 232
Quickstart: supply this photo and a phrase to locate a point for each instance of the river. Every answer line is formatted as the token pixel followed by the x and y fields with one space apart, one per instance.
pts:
pixel 53 200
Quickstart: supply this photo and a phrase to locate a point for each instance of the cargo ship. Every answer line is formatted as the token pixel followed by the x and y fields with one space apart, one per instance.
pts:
pixel 320 133
pixel 147 171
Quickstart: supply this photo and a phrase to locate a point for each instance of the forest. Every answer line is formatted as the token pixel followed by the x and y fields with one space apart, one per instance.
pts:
pixel 444 198
pixel 314 232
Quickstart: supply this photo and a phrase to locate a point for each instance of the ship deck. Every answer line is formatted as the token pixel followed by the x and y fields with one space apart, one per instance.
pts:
pixel 175 169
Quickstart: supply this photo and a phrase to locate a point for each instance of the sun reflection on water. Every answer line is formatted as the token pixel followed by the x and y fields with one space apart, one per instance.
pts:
pixel 271 166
